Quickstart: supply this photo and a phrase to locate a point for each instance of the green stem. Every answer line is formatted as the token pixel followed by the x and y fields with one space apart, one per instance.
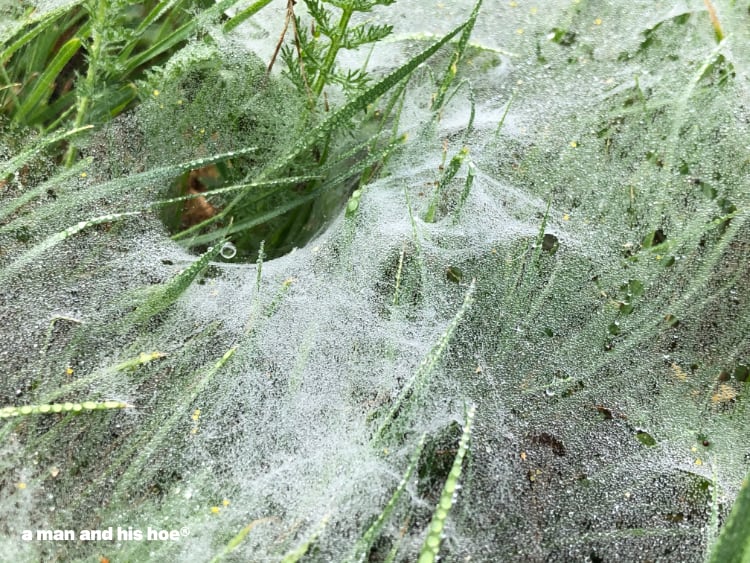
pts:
pixel 336 40
pixel 84 100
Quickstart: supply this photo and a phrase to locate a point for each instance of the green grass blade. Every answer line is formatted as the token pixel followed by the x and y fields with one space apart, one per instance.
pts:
pixel 43 87
pixel 733 545
pixel 85 406
pixel 43 23
pixel 431 545
pixel 165 295
pixel 297 553
pixel 167 427
pixel 177 36
pixel 156 12
pixel 235 542
pixel 248 12
pixel 452 70
pixel 13 205
pixel 298 201
pixel 428 364
pixel 365 543
pixel 53 240
pixel 10 166
pixel 448 175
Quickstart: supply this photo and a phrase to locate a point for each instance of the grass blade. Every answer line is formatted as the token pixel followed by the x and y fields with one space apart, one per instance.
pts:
pixel 85 406
pixel 365 543
pixel 733 545
pixel 431 545
pixel 427 365
pixel 43 86
pixel 297 554
pixel 10 166
pixel 248 12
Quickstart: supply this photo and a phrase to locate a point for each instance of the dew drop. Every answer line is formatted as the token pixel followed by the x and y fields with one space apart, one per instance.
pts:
pixel 228 251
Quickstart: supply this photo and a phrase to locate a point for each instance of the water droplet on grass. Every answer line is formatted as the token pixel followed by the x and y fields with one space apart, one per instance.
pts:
pixel 228 251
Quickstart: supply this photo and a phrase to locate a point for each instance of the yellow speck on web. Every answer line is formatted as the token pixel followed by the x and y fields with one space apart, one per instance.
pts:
pixel 215 509
pixel 523 456
pixel 574 144
pixel 598 21
pixel 21 485
pixel 196 414
pixel 699 461
pixel 83 174
pixel 678 372
pixel 533 10
pixel 225 502
pixel 156 93
pixel 519 31
pixel 724 394
pixel 513 4
pixel 566 217
pixel 179 102
pixel 69 371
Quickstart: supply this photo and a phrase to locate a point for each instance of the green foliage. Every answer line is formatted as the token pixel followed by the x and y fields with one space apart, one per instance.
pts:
pixel 733 544
pixel 431 545
pixel 86 406
pixel 311 62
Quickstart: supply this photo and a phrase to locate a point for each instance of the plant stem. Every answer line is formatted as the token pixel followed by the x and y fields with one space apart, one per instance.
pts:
pixel 84 100
pixel 336 40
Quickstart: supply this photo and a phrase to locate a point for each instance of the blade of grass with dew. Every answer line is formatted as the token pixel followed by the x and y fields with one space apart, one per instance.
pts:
pixel 281 182
pixel 427 365
pixel 129 64
pixel 53 240
pixel 126 184
pixel 472 106
pixel 162 296
pixel 299 552
pixel 338 119
pixel 13 205
pixel 470 173
pixel 85 406
pixel 297 201
pixel 431 545
pixel 166 428
pixel 364 545
pixel 237 540
pixel 448 175
pixel 10 166
pixel 248 12
pixel 42 23
pixel 41 89
pixel 733 544
pixel 450 74
pixel 130 365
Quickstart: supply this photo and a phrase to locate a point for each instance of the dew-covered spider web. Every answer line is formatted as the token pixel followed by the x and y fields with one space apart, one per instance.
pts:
pixel 583 283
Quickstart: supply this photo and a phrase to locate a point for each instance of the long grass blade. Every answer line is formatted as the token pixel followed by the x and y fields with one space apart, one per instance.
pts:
pixel 43 87
pixel 431 545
